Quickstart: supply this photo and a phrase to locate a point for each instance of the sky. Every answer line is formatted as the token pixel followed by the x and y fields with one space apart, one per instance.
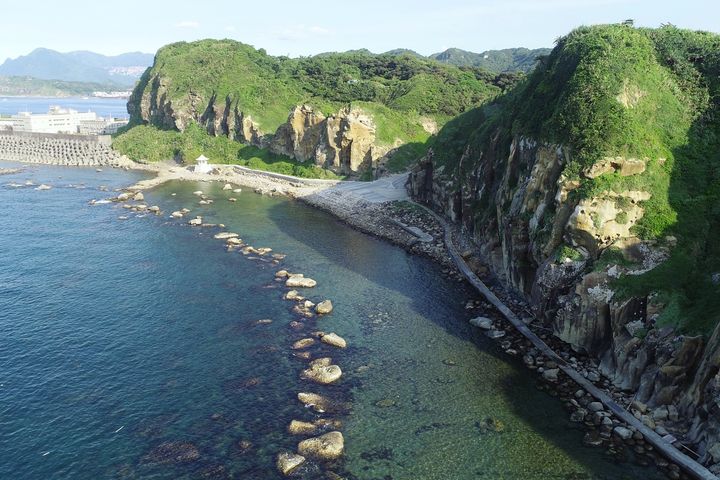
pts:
pixel 307 27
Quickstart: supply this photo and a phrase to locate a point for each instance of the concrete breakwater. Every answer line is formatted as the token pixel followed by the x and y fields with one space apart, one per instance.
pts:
pixel 59 149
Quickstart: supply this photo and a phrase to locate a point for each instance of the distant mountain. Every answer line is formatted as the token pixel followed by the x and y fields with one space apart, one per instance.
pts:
pixel 404 51
pixel 507 60
pixel 496 61
pixel 29 86
pixel 81 66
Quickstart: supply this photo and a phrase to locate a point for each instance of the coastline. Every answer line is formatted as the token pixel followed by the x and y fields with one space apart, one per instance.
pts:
pixel 391 222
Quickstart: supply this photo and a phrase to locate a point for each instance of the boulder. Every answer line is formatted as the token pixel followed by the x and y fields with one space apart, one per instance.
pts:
pixel 324 307
pixel 322 372
pixel 595 406
pixel 325 447
pixel 298 427
pixel 299 281
pixel 293 295
pixel 623 433
pixel 333 340
pixel 123 197
pixel 139 197
pixel 282 274
pixel 289 462
pixel 195 222
pixel 551 375
pixel 225 235
pixel 482 322
pixel 227 187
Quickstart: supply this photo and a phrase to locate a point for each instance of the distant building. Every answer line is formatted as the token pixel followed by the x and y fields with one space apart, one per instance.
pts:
pixel 202 165
pixel 59 120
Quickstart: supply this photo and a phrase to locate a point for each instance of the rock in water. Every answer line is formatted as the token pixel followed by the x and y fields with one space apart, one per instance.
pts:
pixel 195 222
pixel 324 307
pixel 139 197
pixel 225 235
pixel 303 343
pixel 325 447
pixel 289 462
pixel 482 322
pixel 334 340
pixel 322 374
pixel 298 427
pixel 294 295
pixel 298 280
pixel 227 187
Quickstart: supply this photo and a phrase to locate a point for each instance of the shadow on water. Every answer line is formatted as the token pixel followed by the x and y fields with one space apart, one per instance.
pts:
pixel 541 412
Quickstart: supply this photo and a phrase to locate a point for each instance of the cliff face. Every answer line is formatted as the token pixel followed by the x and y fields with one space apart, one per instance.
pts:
pixel 567 227
pixel 343 142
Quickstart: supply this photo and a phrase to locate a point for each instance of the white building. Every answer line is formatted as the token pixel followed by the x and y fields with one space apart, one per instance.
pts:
pixel 57 120
pixel 202 165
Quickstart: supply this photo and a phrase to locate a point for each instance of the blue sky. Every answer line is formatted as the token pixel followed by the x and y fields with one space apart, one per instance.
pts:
pixel 305 27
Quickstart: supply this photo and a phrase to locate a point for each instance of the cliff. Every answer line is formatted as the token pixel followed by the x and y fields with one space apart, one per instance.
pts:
pixel 344 112
pixel 592 189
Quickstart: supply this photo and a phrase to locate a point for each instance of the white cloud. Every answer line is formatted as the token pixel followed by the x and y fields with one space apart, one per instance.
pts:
pixel 230 28
pixel 301 32
pixel 187 24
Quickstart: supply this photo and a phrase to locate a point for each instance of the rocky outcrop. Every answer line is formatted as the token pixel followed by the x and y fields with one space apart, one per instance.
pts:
pixel 344 142
pixel 544 241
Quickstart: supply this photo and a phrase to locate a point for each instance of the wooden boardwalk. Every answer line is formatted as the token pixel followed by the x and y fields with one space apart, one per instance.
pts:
pixel 686 463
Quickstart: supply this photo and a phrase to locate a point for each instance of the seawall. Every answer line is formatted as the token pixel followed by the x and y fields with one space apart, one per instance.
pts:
pixel 59 149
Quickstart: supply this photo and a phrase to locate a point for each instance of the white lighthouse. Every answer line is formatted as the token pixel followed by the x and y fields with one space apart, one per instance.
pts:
pixel 202 165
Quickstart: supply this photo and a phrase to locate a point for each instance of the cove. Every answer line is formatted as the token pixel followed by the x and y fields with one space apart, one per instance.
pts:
pixel 120 336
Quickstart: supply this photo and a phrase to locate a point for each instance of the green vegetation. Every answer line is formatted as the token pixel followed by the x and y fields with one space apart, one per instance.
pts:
pixel 29 86
pixel 160 145
pixel 615 90
pixel 568 252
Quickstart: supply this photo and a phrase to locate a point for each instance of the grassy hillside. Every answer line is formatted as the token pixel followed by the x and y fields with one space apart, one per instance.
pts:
pixel 402 93
pixel 619 91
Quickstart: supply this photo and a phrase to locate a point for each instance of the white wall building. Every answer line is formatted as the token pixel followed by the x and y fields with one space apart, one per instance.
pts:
pixel 59 120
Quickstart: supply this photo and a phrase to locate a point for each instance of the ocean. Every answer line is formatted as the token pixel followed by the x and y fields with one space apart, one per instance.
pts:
pixel 104 107
pixel 131 348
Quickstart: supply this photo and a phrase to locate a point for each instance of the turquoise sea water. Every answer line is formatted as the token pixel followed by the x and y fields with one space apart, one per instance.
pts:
pixel 123 339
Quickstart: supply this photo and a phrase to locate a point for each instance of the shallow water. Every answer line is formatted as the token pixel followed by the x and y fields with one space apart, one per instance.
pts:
pixel 121 335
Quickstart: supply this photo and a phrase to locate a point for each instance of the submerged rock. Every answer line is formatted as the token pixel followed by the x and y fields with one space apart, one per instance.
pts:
pixel 324 307
pixel 333 339
pixel 303 343
pixel 325 447
pixel 288 462
pixel 173 452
